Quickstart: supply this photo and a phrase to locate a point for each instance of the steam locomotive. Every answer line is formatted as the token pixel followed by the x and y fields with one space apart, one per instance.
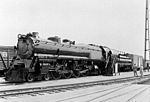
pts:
pixel 38 59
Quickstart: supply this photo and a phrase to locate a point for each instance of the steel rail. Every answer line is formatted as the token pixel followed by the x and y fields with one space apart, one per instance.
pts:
pixel 116 96
pixel 110 90
pixel 136 95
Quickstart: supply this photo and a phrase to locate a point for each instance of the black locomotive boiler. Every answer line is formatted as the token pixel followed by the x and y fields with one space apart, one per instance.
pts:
pixel 52 59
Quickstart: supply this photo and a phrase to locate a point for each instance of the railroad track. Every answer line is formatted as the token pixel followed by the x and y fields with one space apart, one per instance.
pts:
pixel 114 92
pixel 137 90
pixel 102 95
pixel 62 88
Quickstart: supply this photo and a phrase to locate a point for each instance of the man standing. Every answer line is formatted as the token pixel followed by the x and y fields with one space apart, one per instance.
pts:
pixel 141 70
pixel 134 70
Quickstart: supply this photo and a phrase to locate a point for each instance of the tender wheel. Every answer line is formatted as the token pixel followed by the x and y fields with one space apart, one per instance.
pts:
pixel 55 75
pixel 47 76
pixel 67 75
pixel 30 77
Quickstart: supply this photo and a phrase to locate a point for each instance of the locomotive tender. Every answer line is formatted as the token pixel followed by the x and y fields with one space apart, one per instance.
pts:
pixel 50 59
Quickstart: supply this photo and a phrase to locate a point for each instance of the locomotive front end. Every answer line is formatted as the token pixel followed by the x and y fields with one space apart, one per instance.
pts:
pixel 19 65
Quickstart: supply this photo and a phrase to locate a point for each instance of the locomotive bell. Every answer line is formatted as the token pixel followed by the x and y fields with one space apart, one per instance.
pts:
pixel 69 41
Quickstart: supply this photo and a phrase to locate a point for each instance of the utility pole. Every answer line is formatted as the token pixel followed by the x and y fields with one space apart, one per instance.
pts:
pixel 147 41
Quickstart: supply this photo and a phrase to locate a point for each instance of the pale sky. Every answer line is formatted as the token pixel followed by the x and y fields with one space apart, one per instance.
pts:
pixel 118 24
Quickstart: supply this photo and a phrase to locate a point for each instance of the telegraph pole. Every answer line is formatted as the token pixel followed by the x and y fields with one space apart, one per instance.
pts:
pixel 147 41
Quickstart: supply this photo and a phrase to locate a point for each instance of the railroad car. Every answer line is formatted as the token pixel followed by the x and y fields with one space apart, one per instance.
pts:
pixel 6 55
pixel 137 60
pixel 38 59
